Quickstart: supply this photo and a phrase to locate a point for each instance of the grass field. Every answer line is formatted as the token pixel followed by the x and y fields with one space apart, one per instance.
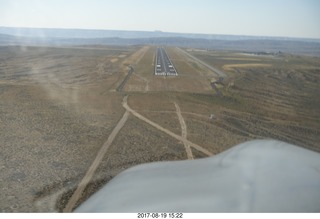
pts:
pixel 58 106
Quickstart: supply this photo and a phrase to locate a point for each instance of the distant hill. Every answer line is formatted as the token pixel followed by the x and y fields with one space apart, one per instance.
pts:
pixel 62 37
pixel 91 33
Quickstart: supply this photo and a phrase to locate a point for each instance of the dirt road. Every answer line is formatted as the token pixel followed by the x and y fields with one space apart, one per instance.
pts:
pixel 185 141
pixel 144 80
pixel 215 70
pixel 89 174
pixel 125 80
pixel 183 131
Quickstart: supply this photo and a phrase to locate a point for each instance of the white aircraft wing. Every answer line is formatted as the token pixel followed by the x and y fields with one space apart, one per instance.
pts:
pixel 256 176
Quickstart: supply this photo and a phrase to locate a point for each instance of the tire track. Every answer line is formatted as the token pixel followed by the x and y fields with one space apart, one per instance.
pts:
pixel 215 70
pixel 125 80
pixel 103 150
pixel 144 80
pixel 89 174
pixel 183 131
pixel 139 116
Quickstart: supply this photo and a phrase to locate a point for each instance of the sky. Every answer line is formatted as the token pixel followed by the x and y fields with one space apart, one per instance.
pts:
pixel 285 18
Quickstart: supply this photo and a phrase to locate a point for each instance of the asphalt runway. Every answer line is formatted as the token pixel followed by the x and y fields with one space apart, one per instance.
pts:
pixel 164 65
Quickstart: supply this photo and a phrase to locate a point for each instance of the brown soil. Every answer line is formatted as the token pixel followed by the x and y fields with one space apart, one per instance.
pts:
pixel 58 106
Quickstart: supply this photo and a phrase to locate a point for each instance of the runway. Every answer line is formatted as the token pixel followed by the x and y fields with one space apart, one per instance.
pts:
pixel 163 65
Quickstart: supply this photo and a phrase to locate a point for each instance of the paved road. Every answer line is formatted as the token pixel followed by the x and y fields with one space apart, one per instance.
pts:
pixel 164 65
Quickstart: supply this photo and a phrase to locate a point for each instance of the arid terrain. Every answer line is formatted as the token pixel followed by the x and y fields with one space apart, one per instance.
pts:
pixel 66 128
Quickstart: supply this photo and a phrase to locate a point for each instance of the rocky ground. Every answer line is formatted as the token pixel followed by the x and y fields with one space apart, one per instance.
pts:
pixel 59 105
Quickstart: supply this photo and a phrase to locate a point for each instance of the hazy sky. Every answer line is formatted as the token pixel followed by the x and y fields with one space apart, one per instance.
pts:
pixel 294 18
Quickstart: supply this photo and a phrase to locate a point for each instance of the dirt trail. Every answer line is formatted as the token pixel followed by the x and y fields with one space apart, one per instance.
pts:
pixel 144 80
pixel 89 174
pixel 244 65
pixel 215 70
pixel 185 141
pixel 136 57
pixel 183 131
pixel 168 111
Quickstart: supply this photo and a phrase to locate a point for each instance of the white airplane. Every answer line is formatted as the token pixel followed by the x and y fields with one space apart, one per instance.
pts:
pixel 255 176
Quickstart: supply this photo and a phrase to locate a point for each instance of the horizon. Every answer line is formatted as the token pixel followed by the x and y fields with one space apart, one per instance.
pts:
pixel 285 18
pixel 155 31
